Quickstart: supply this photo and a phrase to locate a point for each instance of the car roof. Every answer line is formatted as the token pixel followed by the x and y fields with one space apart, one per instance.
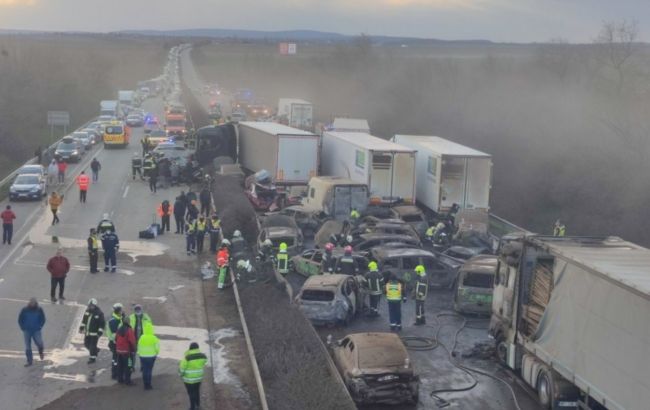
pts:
pixel 482 264
pixel 29 175
pixel 395 252
pixel 31 166
pixel 325 281
pixel 280 231
pixel 375 235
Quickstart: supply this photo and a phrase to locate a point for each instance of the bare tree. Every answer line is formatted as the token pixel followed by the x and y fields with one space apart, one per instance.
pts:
pixel 556 56
pixel 617 44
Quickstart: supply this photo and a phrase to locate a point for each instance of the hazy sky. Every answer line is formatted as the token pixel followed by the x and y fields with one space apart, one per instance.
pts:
pixel 498 20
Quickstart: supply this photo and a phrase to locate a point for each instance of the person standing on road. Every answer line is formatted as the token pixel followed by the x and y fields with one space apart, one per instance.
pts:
pixel 136 165
pixel 191 371
pixel 420 293
pixel 83 181
pixel 347 265
pixel 52 170
pixel 179 213
pixel 31 320
pixel 95 166
pixel 125 347
pixel 92 327
pixel 165 211
pixel 93 250
pixel 153 178
pixel 283 260
pixel 192 211
pixel 148 349
pixel 137 320
pixel 58 266
pixel 105 225
pixel 7 217
pixel 215 230
pixel 62 166
pixel 112 327
pixel 374 280
pixel 111 245
pixel 205 197
pixel 395 297
pixel 190 237
pixel 39 155
pixel 55 201
pixel 201 229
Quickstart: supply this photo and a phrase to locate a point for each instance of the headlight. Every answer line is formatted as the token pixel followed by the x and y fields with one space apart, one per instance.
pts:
pixel 12 189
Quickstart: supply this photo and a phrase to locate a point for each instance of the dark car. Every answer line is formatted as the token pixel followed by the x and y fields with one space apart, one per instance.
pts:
pixel 305 219
pixel 279 229
pixel 68 150
pixel 28 186
pixel 413 216
pixel 367 241
pixel 309 262
pixel 402 262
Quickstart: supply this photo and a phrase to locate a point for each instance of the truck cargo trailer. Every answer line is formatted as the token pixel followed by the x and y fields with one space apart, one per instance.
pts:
pixel 296 112
pixel 570 316
pixel 449 173
pixel 290 155
pixel 387 168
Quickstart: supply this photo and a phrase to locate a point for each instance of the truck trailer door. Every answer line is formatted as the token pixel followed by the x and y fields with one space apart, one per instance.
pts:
pixel 452 182
pixel 479 171
pixel 381 179
pixel 297 159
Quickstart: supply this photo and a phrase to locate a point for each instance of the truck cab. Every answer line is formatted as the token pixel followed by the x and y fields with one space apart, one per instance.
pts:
pixel 336 196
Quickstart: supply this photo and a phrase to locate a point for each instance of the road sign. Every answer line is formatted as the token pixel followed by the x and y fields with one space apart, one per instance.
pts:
pixel 59 118
pixel 287 48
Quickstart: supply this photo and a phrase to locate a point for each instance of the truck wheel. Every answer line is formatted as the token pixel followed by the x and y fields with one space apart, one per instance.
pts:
pixel 545 389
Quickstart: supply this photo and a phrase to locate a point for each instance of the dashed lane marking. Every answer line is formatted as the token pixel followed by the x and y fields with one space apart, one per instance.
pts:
pixel 126 191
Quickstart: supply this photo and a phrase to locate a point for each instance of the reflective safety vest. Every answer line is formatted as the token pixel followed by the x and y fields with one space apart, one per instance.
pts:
pixel 354 214
pixel 374 282
pixel 148 344
pixel 393 291
pixel 559 230
pixel 113 324
pixel 421 286
pixel 283 262
pixel 429 232
pixel 161 213
pixel 200 226
pixel 148 163
pixel 83 181
pixel 93 242
pixel 215 224
pixel 222 257
pixel 191 367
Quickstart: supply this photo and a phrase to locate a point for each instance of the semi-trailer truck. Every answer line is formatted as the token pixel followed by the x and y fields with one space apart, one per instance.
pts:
pixel 296 113
pixel 570 316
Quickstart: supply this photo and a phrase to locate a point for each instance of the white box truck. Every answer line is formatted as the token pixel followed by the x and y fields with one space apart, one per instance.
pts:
pixel 290 155
pixel 344 124
pixel 335 196
pixel 296 113
pixel 125 97
pixel 386 167
pixel 570 316
pixel 109 107
pixel 449 173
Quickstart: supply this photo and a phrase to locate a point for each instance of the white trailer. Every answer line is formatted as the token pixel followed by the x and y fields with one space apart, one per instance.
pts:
pixel 125 97
pixel 386 167
pixel 109 107
pixel 290 155
pixel 450 173
pixel 343 124
pixel 297 113
pixel 569 315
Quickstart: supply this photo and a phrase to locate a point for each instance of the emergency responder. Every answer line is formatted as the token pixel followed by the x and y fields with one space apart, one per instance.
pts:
pixel 180 206
pixel 328 263
pixel 93 250
pixel 164 211
pixel 214 228
pixel 205 197
pixel 347 265
pixel 153 173
pixel 112 326
pixel 428 234
pixel 148 349
pixel 266 251
pixel 147 165
pixel 354 216
pixel 223 258
pixel 137 319
pixel 395 297
pixel 190 237
pixel 420 293
pixel 105 225
pixel 111 245
pixel 191 371
pixel 559 229
pixel 375 281
pixel 125 347
pixel 237 244
pixel 192 211
pixel 201 229
pixel 136 165
pixel 83 181
pixel 92 327
pixel 283 259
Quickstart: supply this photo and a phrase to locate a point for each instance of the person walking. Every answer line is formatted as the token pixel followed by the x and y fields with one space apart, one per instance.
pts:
pixel 395 297
pixel 137 320
pixel 179 213
pixel 192 211
pixel 7 217
pixel 420 292
pixel 148 349
pixel 112 327
pixel 92 327
pixel 347 265
pixel 201 229
pixel 62 166
pixel 223 258
pixel 125 347
pixel 95 166
pixel 52 170
pixel 111 245
pixel 31 321
pixel 136 165
pixel 205 197
pixel 55 201
pixel 165 211
pixel 93 250
pixel 39 155
pixel 83 181
pixel 190 237
pixel 375 281
pixel 153 178
pixel 214 228
pixel 191 371
pixel 58 266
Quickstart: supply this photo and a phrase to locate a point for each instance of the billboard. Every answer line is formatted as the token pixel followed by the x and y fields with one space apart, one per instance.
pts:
pixel 287 48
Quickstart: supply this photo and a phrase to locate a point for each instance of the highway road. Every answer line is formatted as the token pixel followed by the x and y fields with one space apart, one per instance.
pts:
pixel 155 273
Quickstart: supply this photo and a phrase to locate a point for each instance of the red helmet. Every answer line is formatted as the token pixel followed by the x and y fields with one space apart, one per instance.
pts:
pixel 348 250
pixel 329 246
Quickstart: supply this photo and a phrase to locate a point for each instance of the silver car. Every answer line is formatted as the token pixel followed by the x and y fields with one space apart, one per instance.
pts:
pixel 28 186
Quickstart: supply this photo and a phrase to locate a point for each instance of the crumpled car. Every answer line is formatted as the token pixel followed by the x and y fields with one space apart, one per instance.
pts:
pixel 330 299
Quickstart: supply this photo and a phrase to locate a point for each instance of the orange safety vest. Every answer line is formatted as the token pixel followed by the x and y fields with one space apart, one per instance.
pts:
pixel 169 211
pixel 83 181
pixel 222 257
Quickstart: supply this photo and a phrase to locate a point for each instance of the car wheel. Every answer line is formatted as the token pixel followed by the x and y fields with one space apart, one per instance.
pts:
pixel 545 389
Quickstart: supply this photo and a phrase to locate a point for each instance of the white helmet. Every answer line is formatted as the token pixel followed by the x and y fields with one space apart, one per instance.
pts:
pixel 92 301
pixel 225 242
pixel 349 238
pixel 118 306
pixel 267 242
pixel 105 216
pixel 236 234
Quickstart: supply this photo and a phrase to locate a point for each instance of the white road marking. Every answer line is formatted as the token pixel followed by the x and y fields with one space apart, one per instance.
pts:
pixel 173 288
pixel 126 272
pixel 2 280
pixel 69 377
pixel 126 191
pixel 160 299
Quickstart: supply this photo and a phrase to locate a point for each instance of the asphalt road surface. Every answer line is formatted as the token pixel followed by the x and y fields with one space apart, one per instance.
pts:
pixel 155 273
